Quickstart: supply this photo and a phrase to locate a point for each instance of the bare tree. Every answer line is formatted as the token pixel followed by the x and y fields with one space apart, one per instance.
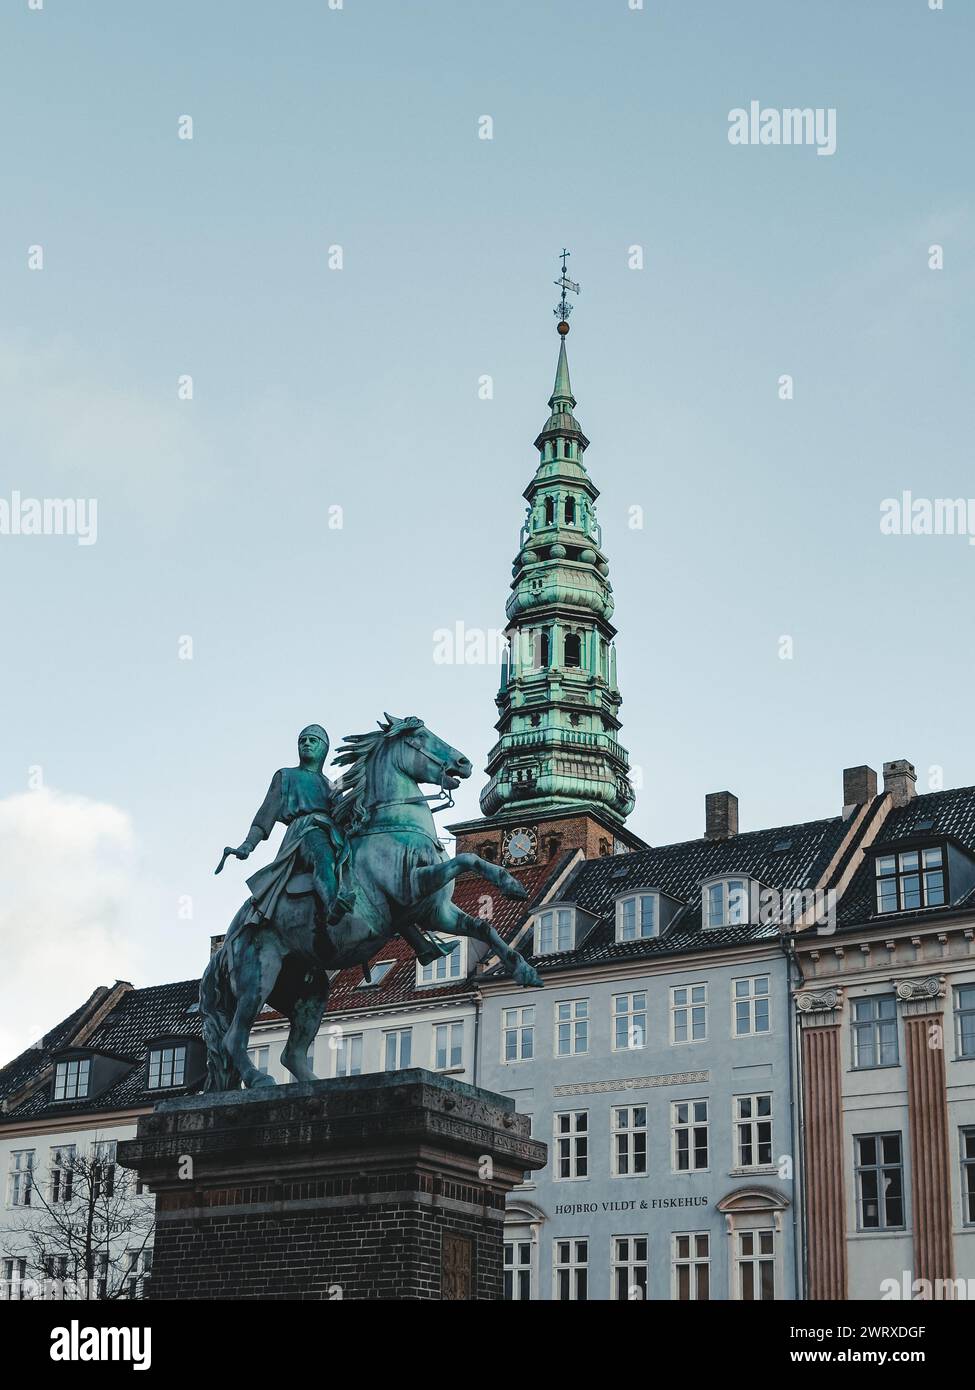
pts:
pixel 88 1235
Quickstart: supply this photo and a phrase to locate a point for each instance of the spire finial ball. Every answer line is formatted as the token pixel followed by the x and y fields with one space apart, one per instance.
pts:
pixel 562 327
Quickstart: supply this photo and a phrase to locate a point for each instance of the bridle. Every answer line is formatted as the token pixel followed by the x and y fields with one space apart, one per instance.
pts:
pixel 443 796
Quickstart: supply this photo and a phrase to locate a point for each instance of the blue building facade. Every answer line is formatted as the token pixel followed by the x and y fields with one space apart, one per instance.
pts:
pixel 657 1065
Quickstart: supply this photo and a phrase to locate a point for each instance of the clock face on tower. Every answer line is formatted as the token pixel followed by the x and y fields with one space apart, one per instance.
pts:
pixel 519 846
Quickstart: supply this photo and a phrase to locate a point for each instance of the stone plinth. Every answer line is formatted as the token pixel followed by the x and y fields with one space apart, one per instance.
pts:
pixel 368 1187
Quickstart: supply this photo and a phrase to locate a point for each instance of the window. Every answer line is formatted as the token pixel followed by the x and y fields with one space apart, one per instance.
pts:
pixel 692 1266
pixel 571 1270
pixel 550 503
pixel 629 1021
pixel 726 903
pixel 755 1264
pixel 448 1045
pixel 570 511
pixel 138 1267
pixel 571 1027
pixel 689 1133
pixel 914 878
pixel 636 918
pixel 571 1131
pixel 56 1271
pixel 629 1141
pixel 965 1020
pixel 630 1264
pixel 751 1003
pixel 443 969
pixel 544 648
pixel 377 972
pixel 260 1057
pixel 874 1030
pixel 753 1131
pixel 967 1138
pixel 553 932
pixel 517 1270
pixel 20 1178
pixel 62 1172
pixel 14 1275
pixel 97 1272
pixel 103 1168
pixel 573 649
pixel 167 1067
pixel 688 1013
pixel 71 1079
pixel 879 1182
pixel 518 1034
pixel 398 1048
pixel 348 1055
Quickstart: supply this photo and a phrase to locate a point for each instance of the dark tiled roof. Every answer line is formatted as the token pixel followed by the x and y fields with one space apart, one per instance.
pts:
pixel 788 856
pixel 953 814
pixel 139 1016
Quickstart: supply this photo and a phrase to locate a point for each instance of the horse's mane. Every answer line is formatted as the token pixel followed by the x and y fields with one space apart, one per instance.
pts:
pixel 354 757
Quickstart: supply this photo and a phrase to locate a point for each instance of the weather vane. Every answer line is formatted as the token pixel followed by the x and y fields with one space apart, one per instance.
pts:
pixel 564 308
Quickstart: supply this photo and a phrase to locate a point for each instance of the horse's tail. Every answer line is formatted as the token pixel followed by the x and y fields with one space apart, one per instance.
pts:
pixel 217 1005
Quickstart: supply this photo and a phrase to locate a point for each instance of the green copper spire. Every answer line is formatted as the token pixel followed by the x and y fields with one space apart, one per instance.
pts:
pixel 562 391
pixel 558 703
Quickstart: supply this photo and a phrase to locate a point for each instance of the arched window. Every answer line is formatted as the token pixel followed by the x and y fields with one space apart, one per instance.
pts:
pixel 573 649
pixel 570 511
pixel 550 511
pixel 544 650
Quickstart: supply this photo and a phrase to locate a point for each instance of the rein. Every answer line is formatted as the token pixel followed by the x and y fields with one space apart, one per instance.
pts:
pixel 444 795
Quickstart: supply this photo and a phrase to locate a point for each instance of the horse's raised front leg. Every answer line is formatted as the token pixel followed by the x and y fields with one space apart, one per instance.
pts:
pixel 435 876
pixel 448 917
pixel 256 970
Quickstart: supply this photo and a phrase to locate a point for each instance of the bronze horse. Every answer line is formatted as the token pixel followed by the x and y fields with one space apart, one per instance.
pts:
pixel 400 874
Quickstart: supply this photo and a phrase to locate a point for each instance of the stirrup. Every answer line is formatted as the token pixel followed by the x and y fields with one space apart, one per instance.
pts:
pixel 435 949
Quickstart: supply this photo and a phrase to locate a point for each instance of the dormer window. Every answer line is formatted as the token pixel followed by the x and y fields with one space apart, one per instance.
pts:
pixel 637 917
pixel 913 878
pixel 726 902
pixel 167 1066
pixel 377 973
pixel 444 969
pixel 554 931
pixel 71 1079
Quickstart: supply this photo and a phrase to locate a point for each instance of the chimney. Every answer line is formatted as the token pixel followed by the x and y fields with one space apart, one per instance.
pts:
pixel 859 786
pixel 216 942
pixel 720 815
pixel 899 780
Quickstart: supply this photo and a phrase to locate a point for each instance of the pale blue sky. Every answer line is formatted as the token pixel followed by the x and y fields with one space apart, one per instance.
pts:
pixel 359 388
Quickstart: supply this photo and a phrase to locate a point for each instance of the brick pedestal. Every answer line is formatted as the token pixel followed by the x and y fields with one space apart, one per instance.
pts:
pixel 385 1186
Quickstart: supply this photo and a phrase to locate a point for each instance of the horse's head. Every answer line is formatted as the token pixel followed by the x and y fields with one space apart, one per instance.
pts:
pixel 374 763
pixel 424 757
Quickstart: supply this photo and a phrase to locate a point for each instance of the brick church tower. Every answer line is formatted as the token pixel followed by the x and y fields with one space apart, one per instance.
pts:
pixel 558 774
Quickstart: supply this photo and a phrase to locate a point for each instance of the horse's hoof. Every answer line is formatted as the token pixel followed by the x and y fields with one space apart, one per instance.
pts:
pixel 527 976
pixel 262 1080
pixel 511 888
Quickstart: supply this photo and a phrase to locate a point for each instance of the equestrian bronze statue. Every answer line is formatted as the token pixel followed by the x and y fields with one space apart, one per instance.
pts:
pixel 359 863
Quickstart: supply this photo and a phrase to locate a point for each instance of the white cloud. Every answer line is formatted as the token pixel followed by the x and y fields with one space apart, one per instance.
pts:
pixel 69 875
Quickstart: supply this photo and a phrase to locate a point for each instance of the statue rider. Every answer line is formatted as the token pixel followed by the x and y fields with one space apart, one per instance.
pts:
pixel 304 800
